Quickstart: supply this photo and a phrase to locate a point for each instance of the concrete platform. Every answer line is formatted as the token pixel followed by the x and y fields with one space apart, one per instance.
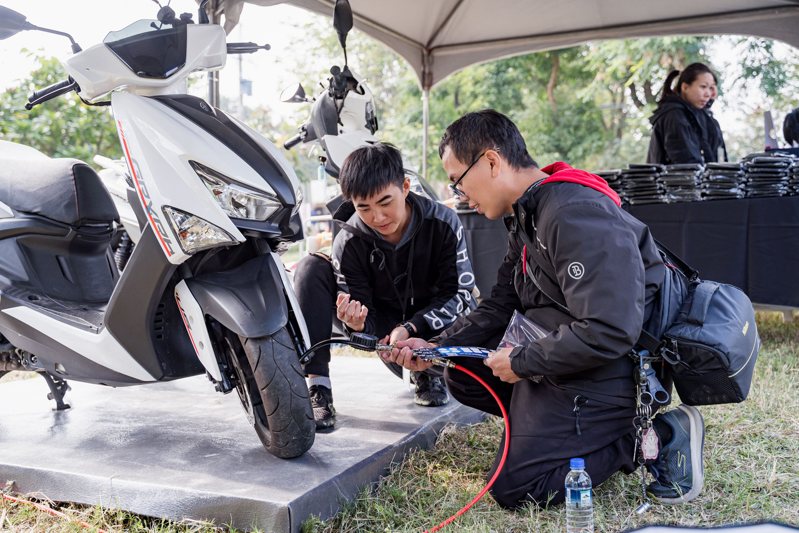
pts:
pixel 180 450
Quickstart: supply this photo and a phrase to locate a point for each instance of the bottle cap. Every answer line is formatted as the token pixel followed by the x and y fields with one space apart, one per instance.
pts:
pixel 577 463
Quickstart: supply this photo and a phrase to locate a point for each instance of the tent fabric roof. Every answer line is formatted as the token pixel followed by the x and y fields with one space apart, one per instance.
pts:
pixel 440 37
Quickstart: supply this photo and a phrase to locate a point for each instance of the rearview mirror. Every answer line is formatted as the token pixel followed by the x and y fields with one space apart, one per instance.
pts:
pixel 11 23
pixel 342 20
pixel 293 94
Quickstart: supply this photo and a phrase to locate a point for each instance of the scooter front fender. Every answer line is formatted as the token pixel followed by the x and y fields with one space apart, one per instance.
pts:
pixel 248 300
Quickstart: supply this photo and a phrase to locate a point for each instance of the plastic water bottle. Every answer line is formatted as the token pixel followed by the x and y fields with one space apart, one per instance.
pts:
pixel 579 502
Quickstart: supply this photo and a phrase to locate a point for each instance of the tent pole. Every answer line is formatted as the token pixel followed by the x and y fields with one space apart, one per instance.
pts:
pixel 213 77
pixel 425 128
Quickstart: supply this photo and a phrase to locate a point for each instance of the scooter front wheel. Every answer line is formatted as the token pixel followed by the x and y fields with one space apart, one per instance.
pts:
pixel 273 392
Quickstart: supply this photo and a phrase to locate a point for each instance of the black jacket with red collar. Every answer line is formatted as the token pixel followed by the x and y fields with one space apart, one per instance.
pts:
pixel 591 277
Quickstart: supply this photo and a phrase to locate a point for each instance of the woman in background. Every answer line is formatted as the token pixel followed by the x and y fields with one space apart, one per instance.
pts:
pixel 683 129
pixel 790 128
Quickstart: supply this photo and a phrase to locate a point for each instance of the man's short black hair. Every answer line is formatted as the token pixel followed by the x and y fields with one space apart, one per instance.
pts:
pixel 478 131
pixel 370 169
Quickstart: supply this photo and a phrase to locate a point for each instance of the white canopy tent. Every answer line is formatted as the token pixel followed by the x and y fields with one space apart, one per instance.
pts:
pixel 440 37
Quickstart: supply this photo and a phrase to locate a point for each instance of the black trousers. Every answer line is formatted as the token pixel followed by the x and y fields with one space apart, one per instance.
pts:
pixel 546 432
pixel 316 289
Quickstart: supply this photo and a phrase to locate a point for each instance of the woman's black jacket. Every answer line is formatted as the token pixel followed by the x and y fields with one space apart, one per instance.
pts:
pixel 683 134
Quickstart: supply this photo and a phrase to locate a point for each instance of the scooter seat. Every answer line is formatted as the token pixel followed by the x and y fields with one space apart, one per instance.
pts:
pixel 61 189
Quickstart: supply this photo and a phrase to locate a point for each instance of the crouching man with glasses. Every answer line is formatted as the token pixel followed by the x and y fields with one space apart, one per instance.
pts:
pixel 588 272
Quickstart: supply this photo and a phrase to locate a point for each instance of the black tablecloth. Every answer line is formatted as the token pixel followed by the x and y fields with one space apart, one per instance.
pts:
pixel 751 243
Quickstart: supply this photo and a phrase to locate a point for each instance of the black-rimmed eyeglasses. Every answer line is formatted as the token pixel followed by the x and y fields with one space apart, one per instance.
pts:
pixel 455 186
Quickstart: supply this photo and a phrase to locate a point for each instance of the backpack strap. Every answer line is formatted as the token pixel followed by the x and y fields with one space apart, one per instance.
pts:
pixel 649 342
pixel 689 272
pixel 701 300
pixel 528 243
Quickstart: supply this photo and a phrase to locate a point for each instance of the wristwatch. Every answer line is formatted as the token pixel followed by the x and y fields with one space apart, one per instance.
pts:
pixel 409 328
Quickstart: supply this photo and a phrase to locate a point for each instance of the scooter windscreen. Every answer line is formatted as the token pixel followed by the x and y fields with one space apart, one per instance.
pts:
pixel 324 116
pixel 149 48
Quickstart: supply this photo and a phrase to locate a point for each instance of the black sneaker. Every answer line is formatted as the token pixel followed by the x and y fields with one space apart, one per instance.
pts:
pixel 322 403
pixel 678 470
pixel 430 390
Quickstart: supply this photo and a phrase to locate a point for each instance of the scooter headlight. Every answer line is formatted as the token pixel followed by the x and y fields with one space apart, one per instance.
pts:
pixel 235 199
pixel 194 233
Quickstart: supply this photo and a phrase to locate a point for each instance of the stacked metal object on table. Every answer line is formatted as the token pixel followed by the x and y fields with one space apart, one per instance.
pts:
pixel 613 177
pixel 758 175
pixel 641 184
pixel 793 183
pixel 649 183
pixel 770 174
pixel 682 182
pixel 722 181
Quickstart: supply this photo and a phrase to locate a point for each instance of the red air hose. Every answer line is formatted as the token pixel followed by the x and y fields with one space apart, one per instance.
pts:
pixel 501 461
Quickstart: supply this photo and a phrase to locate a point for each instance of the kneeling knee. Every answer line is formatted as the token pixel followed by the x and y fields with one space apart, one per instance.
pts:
pixel 507 501
pixel 513 497
pixel 312 264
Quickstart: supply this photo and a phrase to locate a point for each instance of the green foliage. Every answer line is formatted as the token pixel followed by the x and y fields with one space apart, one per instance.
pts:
pixel 587 105
pixel 760 67
pixel 62 127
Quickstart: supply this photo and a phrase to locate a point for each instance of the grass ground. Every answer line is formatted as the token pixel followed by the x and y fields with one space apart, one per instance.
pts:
pixel 751 458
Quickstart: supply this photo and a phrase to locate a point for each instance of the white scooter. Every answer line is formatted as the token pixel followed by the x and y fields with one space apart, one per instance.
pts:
pixel 205 290
pixel 119 183
pixel 342 119
pixel 343 113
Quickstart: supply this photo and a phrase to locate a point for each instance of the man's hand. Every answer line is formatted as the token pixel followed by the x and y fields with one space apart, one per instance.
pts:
pixel 352 313
pixel 499 363
pixel 402 354
pixel 398 334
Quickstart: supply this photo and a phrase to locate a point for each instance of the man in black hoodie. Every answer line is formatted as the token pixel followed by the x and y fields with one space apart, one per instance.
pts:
pixel 399 269
pixel 589 273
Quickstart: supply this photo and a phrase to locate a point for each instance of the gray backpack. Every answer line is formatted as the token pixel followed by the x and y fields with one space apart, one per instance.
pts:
pixel 706 334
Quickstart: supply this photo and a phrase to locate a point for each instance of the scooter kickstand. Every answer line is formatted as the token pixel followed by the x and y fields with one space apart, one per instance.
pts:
pixel 58 388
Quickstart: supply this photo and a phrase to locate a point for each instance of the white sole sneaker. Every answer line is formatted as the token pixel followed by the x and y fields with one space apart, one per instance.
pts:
pixel 696 429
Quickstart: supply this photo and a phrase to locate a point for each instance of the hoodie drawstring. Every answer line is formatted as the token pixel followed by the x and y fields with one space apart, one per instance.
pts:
pixel 403 300
pixel 378 255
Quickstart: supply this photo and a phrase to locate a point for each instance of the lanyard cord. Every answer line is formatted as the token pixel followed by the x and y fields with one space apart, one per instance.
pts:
pixel 403 299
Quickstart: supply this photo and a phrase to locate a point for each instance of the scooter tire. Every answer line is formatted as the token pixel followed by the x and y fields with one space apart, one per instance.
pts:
pixel 283 418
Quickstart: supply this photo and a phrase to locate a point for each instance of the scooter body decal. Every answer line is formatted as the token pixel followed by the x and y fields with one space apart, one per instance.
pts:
pixel 146 201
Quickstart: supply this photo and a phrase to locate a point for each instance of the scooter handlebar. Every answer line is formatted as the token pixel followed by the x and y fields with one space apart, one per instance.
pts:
pixel 245 48
pixel 48 93
pixel 294 141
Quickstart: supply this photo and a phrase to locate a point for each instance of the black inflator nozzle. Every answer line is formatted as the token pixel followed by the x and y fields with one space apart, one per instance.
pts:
pixel 363 341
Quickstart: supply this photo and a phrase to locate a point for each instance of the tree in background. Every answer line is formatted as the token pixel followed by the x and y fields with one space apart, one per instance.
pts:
pixel 762 68
pixel 62 127
pixel 588 105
